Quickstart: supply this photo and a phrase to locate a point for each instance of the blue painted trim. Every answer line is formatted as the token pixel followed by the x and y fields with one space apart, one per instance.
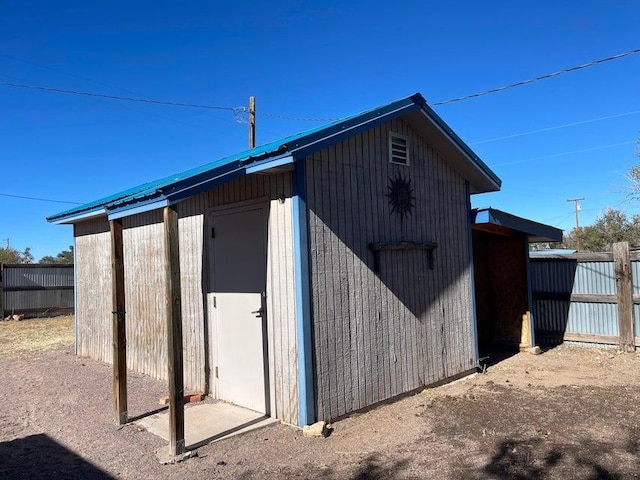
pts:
pixel 205 185
pixel 306 396
pixel 537 232
pixel 82 216
pixel 474 317
pixel 126 212
pixel 354 129
pixel 265 165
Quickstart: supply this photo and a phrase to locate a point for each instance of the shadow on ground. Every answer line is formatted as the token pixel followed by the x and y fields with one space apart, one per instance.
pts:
pixel 538 458
pixel 40 457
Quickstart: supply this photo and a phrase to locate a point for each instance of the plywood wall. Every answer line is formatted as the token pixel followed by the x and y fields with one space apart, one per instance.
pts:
pixel 379 335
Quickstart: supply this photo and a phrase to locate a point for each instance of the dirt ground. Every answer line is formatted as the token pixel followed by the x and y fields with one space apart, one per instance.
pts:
pixel 568 413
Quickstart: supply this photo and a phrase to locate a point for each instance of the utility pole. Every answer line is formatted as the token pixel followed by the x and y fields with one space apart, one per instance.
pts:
pixel 252 122
pixel 576 207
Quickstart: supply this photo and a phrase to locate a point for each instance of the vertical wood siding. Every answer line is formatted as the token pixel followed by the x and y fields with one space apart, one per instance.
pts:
pixel 144 287
pixel 144 290
pixel 93 289
pixel 377 336
pixel 276 189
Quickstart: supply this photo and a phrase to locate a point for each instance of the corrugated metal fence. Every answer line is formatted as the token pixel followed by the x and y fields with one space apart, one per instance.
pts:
pixel 36 289
pixel 575 298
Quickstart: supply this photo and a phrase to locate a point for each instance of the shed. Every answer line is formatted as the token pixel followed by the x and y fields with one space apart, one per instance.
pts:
pixel 306 278
pixel 502 276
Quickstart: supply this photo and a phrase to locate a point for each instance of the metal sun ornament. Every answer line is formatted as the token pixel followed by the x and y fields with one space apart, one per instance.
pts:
pixel 400 196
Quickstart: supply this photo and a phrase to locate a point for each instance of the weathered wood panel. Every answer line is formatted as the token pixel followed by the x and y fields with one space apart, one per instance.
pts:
pixel 93 289
pixel 144 284
pixel 145 281
pixel 191 229
pixel 377 336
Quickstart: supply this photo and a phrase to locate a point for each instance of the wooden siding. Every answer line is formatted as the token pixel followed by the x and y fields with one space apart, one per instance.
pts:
pixel 144 288
pixel 93 289
pixel 191 227
pixel 281 319
pixel 377 336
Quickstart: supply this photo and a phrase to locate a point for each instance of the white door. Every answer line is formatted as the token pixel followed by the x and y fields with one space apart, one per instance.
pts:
pixel 238 281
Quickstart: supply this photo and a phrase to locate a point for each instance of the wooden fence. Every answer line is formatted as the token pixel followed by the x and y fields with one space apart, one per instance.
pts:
pixel 588 297
pixel 36 289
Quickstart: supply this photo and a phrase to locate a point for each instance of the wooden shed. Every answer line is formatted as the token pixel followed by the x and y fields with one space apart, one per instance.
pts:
pixel 307 278
pixel 502 277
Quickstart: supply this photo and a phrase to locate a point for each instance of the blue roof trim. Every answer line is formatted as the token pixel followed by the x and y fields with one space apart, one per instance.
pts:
pixel 181 185
pixel 537 232
pixel 458 141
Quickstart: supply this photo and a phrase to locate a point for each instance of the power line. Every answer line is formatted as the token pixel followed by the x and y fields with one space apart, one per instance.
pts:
pixel 240 110
pixel 486 92
pixel 116 97
pixel 38 199
pixel 300 119
pixel 541 77
pixel 564 153
pixel 556 127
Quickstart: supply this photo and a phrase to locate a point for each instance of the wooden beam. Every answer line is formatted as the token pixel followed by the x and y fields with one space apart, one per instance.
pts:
pixel 1 292
pixel 118 324
pixel 174 331
pixel 585 337
pixel 624 293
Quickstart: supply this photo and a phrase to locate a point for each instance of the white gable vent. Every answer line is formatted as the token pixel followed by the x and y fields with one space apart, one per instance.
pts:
pixel 398 148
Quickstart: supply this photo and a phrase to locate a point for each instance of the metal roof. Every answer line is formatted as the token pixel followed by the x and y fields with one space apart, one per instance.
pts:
pixel 175 188
pixel 499 222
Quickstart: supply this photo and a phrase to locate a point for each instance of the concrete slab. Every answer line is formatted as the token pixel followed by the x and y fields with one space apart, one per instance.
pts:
pixel 208 422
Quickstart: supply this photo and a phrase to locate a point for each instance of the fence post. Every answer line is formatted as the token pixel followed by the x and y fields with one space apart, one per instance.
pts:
pixel 1 291
pixel 624 295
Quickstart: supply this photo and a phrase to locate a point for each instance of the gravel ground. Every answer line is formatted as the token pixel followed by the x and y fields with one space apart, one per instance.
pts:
pixel 569 413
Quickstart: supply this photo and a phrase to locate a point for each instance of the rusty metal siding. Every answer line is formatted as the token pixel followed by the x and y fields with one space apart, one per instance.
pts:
pixel 93 289
pixel 377 336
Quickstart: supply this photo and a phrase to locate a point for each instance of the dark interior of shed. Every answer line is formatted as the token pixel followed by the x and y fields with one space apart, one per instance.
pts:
pixel 500 271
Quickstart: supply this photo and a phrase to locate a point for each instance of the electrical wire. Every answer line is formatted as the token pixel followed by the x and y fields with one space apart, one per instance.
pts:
pixel 540 77
pixel 486 92
pixel 38 199
pixel 564 153
pixel 117 97
pixel 556 127
pixel 238 111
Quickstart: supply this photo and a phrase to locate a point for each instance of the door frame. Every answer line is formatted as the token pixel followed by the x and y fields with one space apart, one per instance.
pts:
pixel 263 204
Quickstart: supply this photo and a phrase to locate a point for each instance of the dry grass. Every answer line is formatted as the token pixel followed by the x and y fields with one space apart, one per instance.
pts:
pixel 35 334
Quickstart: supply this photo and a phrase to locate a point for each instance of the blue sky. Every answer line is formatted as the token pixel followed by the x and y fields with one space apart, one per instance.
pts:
pixel 310 59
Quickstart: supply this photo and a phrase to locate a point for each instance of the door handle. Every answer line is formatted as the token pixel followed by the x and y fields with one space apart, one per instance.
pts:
pixel 259 313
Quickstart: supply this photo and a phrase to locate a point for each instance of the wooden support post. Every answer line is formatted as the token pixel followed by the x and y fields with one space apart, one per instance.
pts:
pixel 1 291
pixel 624 294
pixel 525 336
pixel 174 332
pixel 118 324
pixel 252 122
